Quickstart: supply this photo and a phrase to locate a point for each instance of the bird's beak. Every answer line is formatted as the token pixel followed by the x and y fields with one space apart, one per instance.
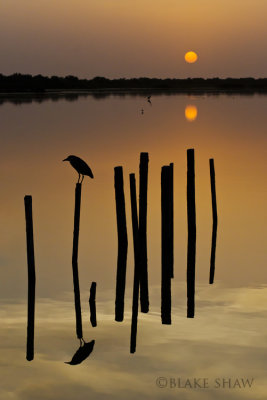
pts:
pixel 65 159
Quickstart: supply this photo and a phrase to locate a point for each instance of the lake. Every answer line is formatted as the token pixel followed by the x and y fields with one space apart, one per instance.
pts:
pixel 226 341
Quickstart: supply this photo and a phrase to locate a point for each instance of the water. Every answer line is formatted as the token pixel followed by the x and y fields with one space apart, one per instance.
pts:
pixel 227 338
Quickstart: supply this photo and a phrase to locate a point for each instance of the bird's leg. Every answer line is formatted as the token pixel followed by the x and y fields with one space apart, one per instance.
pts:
pixel 79 178
pixel 82 179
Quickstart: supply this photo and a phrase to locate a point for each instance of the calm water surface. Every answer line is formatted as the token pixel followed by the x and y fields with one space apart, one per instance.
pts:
pixel 227 338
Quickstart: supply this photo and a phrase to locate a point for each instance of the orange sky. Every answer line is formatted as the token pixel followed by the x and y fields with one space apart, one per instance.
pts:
pixel 122 38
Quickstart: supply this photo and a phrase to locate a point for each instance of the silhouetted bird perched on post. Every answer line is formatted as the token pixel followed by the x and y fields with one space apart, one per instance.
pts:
pixel 81 167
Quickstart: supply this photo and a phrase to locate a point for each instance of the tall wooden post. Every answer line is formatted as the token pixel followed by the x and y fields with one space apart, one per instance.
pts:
pixel 122 243
pixel 136 244
pixel 215 221
pixel 31 278
pixel 191 220
pixel 76 286
pixel 165 246
pixel 171 244
pixel 143 183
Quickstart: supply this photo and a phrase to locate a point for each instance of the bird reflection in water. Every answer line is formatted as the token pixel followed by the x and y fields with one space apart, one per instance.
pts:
pixel 82 353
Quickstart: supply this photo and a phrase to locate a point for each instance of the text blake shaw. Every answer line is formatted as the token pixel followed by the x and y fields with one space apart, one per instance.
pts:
pixel 204 383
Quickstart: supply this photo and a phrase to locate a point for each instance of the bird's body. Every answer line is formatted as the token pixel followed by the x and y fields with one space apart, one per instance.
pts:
pixel 82 353
pixel 81 167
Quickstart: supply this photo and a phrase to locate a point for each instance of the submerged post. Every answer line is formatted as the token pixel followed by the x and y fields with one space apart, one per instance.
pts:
pixel 136 263
pixel 143 183
pixel 122 244
pixel 92 304
pixel 76 287
pixel 31 278
pixel 215 221
pixel 165 247
pixel 191 221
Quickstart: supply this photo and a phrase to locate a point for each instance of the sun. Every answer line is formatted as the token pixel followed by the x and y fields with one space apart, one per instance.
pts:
pixel 190 57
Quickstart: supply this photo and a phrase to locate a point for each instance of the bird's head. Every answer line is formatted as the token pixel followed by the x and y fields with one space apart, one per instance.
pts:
pixel 69 158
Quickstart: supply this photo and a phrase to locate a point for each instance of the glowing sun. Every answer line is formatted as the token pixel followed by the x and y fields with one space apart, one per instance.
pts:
pixel 191 57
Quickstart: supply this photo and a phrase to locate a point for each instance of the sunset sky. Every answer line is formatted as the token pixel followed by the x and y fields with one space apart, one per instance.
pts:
pixel 125 38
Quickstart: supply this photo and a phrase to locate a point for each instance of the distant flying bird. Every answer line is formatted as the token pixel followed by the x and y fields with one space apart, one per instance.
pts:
pixel 82 353
pixel 81 167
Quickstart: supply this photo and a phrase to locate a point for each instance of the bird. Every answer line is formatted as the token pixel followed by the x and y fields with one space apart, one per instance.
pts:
pixel 82 353
pixel 149 99
pixel 81 167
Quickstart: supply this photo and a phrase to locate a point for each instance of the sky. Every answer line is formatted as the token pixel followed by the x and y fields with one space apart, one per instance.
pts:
pixel 125 38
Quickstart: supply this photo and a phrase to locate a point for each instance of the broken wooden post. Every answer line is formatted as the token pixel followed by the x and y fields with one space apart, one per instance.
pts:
pixel 76 287
pixel 143 182
pixel 92 304
pixel 191 221
pixel 215 221
pixel 136 279
pixel 122 243
pixel 31 277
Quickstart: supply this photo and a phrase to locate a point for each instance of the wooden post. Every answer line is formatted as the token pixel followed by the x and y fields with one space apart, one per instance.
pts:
pixel 215 221
pixel 143 181
pixel 92 304
pixel 31 277
pixel 77 299
pixel 122 244
pixel 171 245
pixel 136 244
pixel 165 247
pixel 191 220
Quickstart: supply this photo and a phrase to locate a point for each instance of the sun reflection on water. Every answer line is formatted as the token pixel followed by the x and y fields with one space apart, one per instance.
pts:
pixel 190 112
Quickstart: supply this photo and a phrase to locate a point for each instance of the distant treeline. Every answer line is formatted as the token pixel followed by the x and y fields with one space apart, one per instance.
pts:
pixel 38 83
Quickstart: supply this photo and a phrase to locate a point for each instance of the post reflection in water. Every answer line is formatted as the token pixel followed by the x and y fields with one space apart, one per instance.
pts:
pixel 190 112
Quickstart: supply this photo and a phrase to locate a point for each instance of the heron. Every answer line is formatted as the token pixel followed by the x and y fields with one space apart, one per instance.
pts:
pixel 81 167
pixel 82 353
